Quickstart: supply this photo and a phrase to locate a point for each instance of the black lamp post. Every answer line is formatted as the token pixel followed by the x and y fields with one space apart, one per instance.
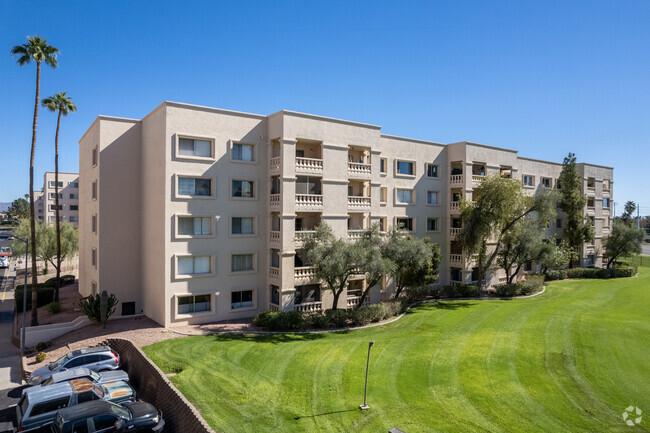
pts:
pixel 365 406
pixel 22 340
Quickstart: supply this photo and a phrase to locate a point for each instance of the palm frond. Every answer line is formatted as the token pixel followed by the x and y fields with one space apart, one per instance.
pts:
pixel 60 101
pixel 35 49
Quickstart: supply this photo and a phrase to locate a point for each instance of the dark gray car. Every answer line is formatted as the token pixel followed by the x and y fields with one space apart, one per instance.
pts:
pixel 94 358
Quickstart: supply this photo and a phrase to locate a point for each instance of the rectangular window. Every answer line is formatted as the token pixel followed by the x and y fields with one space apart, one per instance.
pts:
pixel 194 265
pixel 52 196
pixel 383 194
pixel 53 207
pixel 242 262
pixel 432 170
pixel 307 294
pixel 591 182
pixel 197 187
pixel 193 304
pixel 546 182
pixel 53 184
pixel 73 185
pixel 382 224
pixel 404 196
pixel 194 226
pixel 242 226
pixel 432 224
pixel 74 196
pixel 275 258
pixel 432 197
pixel 94 156
pixel 529 180
pixel 405 224
pixel 383 165
pixel 275 295
pixel 405 168
pixel 605 203
pixel 605 184
pixel 241 299
pixel 243 188
pixel 558 223
pixel 93 223
pixel 74 219
pixel 94 190
pixel 308 185
pixel 74 207
pixel 242 152
pixel 194 147
pixel 591 202
pixel 93 257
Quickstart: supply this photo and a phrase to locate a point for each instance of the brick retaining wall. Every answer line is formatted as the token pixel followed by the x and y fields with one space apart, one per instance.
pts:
pixel 154 387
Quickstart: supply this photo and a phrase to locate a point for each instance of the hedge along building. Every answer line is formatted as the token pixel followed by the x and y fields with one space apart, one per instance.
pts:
pixel 194 214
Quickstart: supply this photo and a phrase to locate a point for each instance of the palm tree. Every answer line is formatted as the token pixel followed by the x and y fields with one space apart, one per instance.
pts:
pixel 63 104
pixel 38 50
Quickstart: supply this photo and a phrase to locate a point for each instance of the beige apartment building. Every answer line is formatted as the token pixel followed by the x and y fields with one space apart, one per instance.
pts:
pixel 45 200
pixel 194 214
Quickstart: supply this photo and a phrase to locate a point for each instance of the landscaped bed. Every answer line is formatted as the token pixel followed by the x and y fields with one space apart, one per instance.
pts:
pixel 571 359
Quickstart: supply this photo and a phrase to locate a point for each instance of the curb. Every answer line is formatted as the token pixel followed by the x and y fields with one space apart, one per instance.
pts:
pixel 355 328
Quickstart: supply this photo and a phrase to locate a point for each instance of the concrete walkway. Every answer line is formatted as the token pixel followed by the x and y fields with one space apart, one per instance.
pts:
pixel 10 375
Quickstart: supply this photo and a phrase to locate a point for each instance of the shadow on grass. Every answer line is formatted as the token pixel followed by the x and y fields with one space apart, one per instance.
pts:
pixel 443 305
pixel 325 413
pixel 270 338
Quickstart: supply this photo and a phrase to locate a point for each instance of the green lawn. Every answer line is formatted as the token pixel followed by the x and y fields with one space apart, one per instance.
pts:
pixel 569 360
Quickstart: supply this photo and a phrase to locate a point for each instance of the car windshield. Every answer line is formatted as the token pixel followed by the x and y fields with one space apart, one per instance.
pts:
pixel 23 404
pixel 120 411
pixel 58 363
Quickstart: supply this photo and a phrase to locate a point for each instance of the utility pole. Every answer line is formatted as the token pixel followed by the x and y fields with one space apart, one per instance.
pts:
pixel 638 217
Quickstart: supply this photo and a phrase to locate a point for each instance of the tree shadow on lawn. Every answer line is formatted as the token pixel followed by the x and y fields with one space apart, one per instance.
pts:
pixel 271 338
pixel 442 305
pixel 297 418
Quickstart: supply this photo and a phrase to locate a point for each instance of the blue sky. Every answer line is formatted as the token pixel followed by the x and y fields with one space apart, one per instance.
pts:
pixel 543 77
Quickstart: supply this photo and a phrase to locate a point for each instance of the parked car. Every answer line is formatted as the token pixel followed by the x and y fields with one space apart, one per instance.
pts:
pixel 86 373
pixel 4 262
pixel 38 405
pixel 102 416
pixel 95 358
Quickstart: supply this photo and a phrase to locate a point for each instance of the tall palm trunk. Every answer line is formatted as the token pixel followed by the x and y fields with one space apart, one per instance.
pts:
pixel 32 222
pixel 57 283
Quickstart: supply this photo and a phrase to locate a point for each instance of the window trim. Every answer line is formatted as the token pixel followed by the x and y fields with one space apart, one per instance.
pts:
pixel 94 189
pixel 246 235
pixel 408 176
pixel 523 180
pixel 550 182
pixel 177 142
pixel 240 179
pixel 437 198
pixel 413 196
pixel 94 156
pixel 213 228
pixel 212 273
pixel 212 311
pixel 213 189
pixel 437 230
pixel 94 219
pixel 231 147
pixel 239 253
pixel 385 160
pixel 413 224
pixel 383 200
pixel 426 170
pixel 253 296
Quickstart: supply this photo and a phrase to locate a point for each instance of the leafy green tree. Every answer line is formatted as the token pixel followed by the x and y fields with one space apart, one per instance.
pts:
pixel 623 241
pixel 628 213
pixel 552 256
pixel 414 259
pixel 376 265
pixel 578 228
pixel 64 105
pixel 46 245
pixel 499 205
pixel 334 260
pixel 19 208
pixel 39 51
pixel 522 243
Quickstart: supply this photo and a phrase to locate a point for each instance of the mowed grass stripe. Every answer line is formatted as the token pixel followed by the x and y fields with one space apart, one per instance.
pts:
pixel 571 359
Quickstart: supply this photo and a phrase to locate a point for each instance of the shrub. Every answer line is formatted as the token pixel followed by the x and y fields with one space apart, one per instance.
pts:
pixel 44 296
pixel 53 307
pixel 336 318
pixel 414 294
pixel 99 307
pixel 617 272
pixel 42 345
pixel 378 312
pixel 67 279
pixel 506 290
pixel 462 290
pixel 359 317
pixel 316 320
pixel 556 274
pixel 280 321
pixel 264 318
pixel 532 284
pixel 50 282
pixel 40 356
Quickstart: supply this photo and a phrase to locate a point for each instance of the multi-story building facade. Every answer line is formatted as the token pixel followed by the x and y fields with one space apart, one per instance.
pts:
pixel 45 200
pixel 195 214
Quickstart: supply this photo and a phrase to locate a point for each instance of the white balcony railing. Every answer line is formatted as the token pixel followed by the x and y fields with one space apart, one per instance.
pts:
pixel 304 273
pixel 275 199
pixel 355 234
pixel 309 200
pixel 453 232
pixel 274 236
pixel 455 259
pixel 274 273
pixel 353 301
pixel 310 164
pixel 359 168
pixel 309 306
pixel 477 178
pixel 454 206
pixel 273 307
pixel 455 179
pixel 358 202
pixel 274 163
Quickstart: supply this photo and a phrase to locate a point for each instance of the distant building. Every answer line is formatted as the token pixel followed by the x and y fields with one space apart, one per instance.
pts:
pixel 44 200
pixel 194 214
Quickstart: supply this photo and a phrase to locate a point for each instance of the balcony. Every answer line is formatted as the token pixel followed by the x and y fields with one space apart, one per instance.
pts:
pixel 353 301
pixel 275 201
pixel 359 169
pixel 454 232
pixel 304 275
pixel 275 237
pixel 358 203
pixel 273 307
pixel 302 235
pixel 454 206
pixel 456 179
pixel 274 164
pixel 309 306
pixel 309 165
pixel 477 178
pixel 455 259
pixel 274 274
pixel 311 201
pixel 353 235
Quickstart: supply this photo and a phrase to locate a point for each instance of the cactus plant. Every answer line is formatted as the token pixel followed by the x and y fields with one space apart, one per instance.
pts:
pixel 99 307
pixel 40 357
